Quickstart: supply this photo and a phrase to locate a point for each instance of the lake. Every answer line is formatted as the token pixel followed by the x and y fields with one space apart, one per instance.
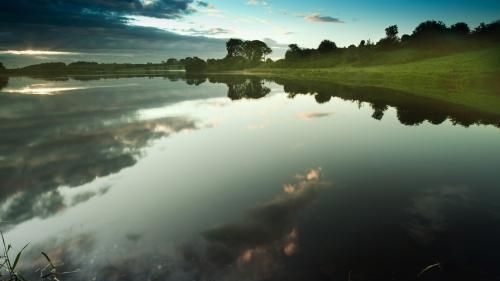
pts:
pixel 243 178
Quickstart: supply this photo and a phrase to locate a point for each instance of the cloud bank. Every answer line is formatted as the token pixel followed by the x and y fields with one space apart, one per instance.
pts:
pixel 100 26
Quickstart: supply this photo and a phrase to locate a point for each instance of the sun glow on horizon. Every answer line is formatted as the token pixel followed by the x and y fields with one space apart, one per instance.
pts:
pixel 30 52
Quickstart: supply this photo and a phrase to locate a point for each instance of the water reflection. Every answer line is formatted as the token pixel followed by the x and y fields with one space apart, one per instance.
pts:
pixel 240 87
pixel 70 140
pixel 411 110
pixel 4 81
pixel 257 246
pixel 391 214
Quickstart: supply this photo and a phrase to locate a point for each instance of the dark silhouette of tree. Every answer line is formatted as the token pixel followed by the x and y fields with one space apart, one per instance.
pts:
pixel 460 28
pixel 489 32
pixel 379 109
pixel 293 52
pixel 255 50
pixel 2 68
pixel 252 88
pixel 391 32
pixel 4 81
pixel 391 40
pixel 196 81
pixel 194 64
pixel 322 97
pixel 410 116
pixel 362 43
pixel 429 30
pixel 327 46
pixel 234 47
pixel 172 61
pixel 405 38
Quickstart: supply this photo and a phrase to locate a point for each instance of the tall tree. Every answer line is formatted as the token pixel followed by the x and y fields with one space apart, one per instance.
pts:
pixel 392 32
pixel 255 50
pixel 234 47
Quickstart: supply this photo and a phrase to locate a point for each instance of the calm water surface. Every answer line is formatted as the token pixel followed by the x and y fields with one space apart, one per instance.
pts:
pixel 237 178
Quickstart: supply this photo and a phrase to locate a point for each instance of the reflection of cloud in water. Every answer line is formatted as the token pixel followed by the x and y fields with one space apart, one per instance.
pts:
pixel 313 115
pixel 259 244
pixel 257 247
pixel 433 210
pixel 31 175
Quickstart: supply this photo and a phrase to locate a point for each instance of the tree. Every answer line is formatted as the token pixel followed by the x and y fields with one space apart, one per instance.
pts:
pixel 362 43
pixel 194 64
pixel 255 50
pixel 172 61
pixel 391 32
pixel 429 29
pixel 234 47
pixel 293 52
pixel 327 46
pixel 2 68
pixel 405 38
pixel 460 28
pixel 490 32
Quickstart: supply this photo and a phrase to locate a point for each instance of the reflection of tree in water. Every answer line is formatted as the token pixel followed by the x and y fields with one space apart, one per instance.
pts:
pixel 250 89
pixel 378 110
pixel 4 81
pixel 242 87
pixel 196 80
pixel 416 116
pixel 410 110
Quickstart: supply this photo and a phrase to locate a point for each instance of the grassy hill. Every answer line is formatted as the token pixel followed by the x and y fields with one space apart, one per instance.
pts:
pixel 470 78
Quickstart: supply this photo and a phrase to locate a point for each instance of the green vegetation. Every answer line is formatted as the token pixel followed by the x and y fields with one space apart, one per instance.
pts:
pixel 9 267
pixel 465 78
pixel 450 64
pixel 94 68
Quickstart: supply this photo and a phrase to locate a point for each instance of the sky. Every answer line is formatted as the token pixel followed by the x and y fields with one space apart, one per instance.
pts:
pixel 153 30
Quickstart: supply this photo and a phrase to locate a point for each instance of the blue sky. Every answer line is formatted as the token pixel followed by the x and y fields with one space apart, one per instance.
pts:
pixel 286 21
pixel 153 30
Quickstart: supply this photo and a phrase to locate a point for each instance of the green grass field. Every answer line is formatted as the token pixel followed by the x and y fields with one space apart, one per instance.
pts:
pixel 471 78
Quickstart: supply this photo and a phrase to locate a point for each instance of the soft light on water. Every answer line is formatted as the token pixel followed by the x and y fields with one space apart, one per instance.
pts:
pixel 242 179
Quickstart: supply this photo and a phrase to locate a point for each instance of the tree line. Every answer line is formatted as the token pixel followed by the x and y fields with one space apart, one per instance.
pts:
pixel 428 34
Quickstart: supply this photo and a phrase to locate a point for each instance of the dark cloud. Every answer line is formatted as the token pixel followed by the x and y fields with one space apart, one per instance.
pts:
pixel 91 13
pixel 203 4
pixel 100 26
pixel 322 19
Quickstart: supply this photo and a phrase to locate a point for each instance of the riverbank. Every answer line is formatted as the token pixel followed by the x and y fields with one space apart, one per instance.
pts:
pixel 469 79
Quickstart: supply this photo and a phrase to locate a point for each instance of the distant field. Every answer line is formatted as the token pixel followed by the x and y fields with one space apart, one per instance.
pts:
pixel 468 78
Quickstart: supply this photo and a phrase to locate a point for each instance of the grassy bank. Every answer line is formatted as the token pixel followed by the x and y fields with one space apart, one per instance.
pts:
pixel 469 78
